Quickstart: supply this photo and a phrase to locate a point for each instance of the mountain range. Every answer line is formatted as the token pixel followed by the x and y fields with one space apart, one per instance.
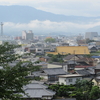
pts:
pixel 26 14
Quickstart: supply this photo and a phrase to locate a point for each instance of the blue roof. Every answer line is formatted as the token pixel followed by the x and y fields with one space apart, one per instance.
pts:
pixel 95 56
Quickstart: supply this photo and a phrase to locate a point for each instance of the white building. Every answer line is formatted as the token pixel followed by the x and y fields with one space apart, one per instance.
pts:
pixel 69 79
pixel 91 35
pixel 96 38
pixel 27 35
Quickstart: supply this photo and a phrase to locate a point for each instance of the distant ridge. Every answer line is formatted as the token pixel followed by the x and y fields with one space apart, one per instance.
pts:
pixel 25 14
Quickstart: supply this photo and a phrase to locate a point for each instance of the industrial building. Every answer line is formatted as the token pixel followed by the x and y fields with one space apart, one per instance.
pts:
pixel 70 50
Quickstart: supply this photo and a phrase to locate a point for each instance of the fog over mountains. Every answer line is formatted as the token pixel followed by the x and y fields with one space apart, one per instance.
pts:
pixel 18 18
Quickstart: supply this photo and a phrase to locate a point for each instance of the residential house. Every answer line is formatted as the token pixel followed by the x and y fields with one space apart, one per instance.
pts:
pixel 71 57
pixel 69 79
pixel 65 44
pixel 96 81
pixel 85 61
pixel 44 58
pixel 71 66
pixel 93 49
pixel 83 72
pixel 98 45
pixel 50 74
pixel 87 74
pixel 46 50
pixel 39 51
pixel 77 67
pixel 37 90
pixel 97 68
pixel 96 59
pixel 32 50
pixel 54 65
pixel 62 65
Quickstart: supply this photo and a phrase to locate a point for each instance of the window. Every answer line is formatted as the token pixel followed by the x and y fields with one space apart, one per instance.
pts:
pixel 39 50
pixel 70 80
pixel 78 78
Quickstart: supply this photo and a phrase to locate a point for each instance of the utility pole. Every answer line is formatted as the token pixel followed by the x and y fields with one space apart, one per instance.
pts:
pixel 74 57
pixel 1 29
pixel 62 53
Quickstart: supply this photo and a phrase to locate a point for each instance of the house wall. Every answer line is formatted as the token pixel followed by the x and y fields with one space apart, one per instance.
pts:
pixel 39 50
pixel 66 81
pixel 65 68
pixel 44 77
pixel 53 66
pixel 42 59
pixel 94 81
pixel 97 70
pixel 52 77
pixel 47 97
pixel 79 68
pixel 62 80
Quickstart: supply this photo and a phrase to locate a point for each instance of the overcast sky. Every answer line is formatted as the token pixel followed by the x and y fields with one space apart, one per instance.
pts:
pixel 66 7
pixel 89 8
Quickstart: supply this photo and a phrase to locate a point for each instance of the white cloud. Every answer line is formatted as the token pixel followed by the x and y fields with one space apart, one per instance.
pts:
pixel 45 27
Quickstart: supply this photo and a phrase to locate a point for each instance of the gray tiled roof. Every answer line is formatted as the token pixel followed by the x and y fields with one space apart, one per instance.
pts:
pixel 71 62
pixel 38 93
pixel 68 57
pixel 66 99
pixel 55 71
pixel 97 66
pixel 37 90
pixel 83 72
pixel 38 73
pixel 35 86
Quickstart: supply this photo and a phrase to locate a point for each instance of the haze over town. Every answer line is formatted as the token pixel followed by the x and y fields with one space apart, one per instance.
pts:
pixel 80 16
pixel 49 49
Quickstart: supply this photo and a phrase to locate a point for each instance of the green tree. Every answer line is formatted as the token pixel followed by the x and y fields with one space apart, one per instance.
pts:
pixel 12 78
pixel 85 91
pixel 61 89
pixel 50 40
pixel 94 93
pixel 50 55
pixel 88 40
pixel 57 58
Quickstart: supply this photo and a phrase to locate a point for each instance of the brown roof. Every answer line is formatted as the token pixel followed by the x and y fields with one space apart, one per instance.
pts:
pixel 85 59
pixel 83 66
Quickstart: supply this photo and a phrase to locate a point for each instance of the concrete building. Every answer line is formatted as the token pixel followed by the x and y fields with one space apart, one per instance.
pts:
pixel 27 35
pixel 91 35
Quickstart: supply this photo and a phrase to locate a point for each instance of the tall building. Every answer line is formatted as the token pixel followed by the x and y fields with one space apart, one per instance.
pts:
pixel 91 35
pixel 27 35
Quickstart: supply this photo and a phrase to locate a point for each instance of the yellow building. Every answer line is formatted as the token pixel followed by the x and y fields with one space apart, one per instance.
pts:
pixel 70 49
